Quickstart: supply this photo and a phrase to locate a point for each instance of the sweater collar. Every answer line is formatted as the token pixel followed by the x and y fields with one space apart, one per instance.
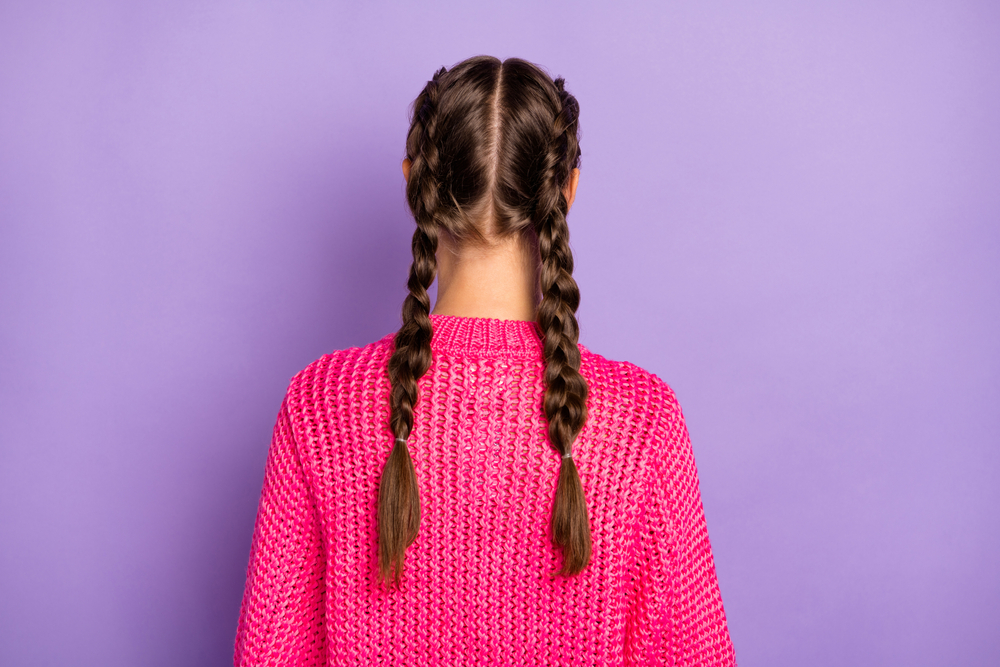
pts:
pixel 486 337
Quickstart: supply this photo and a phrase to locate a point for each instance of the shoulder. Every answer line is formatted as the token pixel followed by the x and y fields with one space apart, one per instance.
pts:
pixel 627 384
pixel 638 411
pixel 336 372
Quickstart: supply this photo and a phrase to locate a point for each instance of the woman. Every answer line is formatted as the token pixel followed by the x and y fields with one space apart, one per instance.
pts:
pixel 477 488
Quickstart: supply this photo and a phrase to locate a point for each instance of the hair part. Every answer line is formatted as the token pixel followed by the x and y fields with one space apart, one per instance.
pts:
pixel 492 146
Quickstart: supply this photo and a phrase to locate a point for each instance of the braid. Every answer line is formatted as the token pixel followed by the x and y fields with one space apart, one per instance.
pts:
pixel 399 497
pixel 566 390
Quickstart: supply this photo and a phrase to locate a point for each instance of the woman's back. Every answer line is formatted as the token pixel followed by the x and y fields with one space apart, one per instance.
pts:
pixel 477 488
pixel 478 586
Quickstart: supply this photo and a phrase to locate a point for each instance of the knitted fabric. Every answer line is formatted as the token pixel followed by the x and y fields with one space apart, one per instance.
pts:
pixel 478 585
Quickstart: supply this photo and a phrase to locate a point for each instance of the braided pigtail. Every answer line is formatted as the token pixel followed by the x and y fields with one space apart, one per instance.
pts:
pixel 565 389
pixel 399 497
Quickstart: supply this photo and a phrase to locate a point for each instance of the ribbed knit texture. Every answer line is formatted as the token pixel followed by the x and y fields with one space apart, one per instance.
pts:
pixel 477 585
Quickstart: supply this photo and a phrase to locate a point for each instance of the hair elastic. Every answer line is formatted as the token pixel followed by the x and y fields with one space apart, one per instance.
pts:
pixel 402 440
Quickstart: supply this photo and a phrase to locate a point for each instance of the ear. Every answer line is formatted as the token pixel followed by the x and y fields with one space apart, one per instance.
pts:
pixel 569 192
pixel 406 169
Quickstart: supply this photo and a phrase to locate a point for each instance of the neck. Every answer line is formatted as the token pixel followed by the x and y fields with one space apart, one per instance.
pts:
pixel 499 281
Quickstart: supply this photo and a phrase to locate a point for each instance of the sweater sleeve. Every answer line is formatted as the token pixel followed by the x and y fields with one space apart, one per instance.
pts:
pixel 281 617
pixel 676 615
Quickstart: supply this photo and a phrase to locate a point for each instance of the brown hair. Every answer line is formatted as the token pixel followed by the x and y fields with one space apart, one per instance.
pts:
pixel 491 143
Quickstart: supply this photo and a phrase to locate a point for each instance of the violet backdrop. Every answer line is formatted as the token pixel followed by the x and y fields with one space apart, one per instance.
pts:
pixel 788 211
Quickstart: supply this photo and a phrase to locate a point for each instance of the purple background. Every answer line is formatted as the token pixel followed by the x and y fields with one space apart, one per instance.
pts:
pixel 790 213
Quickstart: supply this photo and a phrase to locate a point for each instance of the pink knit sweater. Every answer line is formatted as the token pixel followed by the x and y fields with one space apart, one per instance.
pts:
pixel 477 587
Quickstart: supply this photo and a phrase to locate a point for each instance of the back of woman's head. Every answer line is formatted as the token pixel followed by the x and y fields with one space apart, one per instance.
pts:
pixel 492 146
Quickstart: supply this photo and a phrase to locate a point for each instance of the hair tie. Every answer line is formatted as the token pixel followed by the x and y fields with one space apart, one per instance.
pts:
pixel 402 440
pixel 568 456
